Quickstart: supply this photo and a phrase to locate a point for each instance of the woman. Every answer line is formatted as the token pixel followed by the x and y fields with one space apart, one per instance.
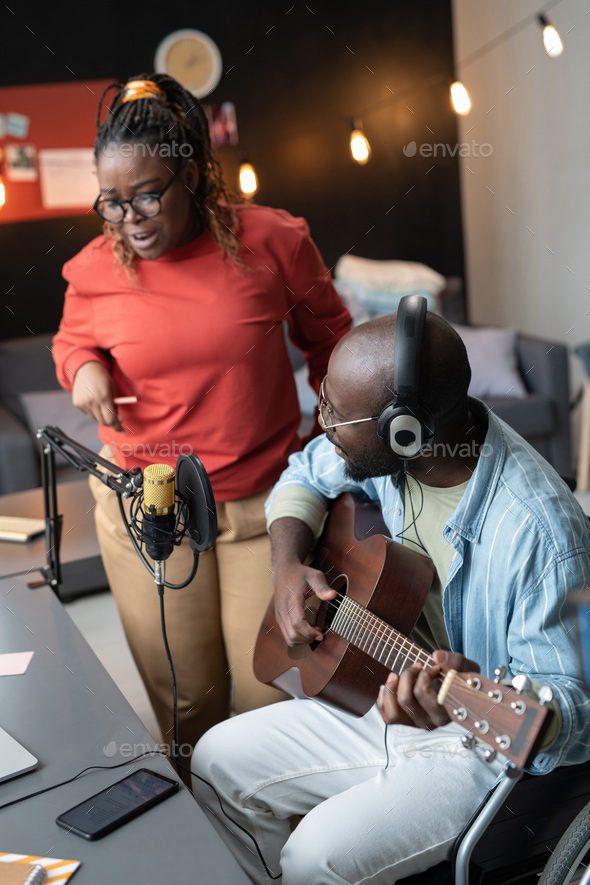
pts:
pixel 181 304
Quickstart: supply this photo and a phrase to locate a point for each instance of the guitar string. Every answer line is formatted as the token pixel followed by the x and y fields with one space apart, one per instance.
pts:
pixel 460 681
pixel 397 643
pixel 385 633
pixel 461 693
pixel 354 615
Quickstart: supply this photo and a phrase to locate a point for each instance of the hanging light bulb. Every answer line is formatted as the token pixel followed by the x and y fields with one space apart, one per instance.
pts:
pixel 359 145
pixel 551 39
pixel 460 98
pixel 248 179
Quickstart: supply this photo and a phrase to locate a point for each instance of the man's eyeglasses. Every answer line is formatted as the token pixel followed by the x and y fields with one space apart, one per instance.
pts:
pixel 146 205
pixel 326 412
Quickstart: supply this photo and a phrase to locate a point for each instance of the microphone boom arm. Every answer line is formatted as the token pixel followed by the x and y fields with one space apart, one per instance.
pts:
pixel 196 502
pixel 127 483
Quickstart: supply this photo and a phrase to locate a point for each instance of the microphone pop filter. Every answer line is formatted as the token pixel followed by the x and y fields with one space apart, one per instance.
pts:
pixel 193 487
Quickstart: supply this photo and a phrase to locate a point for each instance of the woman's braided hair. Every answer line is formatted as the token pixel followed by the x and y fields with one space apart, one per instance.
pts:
pixel 177 119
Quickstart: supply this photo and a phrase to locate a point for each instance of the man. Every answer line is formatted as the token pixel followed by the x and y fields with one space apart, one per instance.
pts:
pixel 508 542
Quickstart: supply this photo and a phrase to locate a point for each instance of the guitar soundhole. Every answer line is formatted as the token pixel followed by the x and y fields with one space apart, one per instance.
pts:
pixel 321 613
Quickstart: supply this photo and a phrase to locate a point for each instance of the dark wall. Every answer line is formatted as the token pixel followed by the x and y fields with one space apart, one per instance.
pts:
pixel 297 74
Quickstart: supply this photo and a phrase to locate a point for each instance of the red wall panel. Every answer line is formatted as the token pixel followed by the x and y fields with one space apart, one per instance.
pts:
pixel 62 115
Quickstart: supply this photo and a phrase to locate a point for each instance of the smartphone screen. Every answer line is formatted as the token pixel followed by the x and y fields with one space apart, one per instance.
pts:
pixel 115 805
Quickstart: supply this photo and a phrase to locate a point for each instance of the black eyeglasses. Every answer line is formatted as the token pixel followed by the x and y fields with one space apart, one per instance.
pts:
pixel 146 205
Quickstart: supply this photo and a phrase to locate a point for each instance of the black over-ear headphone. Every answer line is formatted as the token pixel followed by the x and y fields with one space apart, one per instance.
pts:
pixel 404 426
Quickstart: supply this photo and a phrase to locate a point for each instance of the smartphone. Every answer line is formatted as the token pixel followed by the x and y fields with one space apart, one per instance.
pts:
pixel 114 806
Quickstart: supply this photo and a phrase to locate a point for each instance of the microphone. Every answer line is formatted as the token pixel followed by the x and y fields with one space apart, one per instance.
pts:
pixel 163 524
pixel 159 520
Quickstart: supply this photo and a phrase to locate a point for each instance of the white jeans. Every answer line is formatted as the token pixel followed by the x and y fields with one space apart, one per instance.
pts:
pixel 365 821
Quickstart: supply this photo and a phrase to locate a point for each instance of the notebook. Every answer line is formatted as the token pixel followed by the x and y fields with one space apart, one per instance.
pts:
pixel 14 759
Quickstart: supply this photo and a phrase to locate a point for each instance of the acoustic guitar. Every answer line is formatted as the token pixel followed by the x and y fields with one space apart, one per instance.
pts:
pixel 381 583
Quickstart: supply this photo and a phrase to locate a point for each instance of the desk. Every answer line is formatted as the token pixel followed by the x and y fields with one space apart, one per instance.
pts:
pixel 79 553
pixel 68 712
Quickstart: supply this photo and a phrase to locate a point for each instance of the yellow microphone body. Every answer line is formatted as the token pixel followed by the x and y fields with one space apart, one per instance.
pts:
pixel 159 516
pixel 158 489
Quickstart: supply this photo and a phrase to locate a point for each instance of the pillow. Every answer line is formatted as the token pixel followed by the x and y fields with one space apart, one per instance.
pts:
pixel 55 407
pixel 493 360
pixel 366 303
pixel 377 286
pixel 397 277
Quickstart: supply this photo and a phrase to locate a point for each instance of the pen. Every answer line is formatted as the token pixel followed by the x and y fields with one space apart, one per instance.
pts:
pixel 124 400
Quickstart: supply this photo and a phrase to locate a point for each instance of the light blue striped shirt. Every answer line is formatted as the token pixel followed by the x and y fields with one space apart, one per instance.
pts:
pixel 522 544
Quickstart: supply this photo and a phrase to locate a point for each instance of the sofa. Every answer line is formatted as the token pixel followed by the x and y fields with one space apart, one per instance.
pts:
pixel 30 397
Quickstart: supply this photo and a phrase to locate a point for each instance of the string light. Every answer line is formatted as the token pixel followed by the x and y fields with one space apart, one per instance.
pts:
pixel 359 145
pixel 551 39
pixel 248 179
pixel 460 98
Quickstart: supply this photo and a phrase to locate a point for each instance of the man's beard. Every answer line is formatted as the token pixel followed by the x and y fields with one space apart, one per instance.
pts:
pixel 372 462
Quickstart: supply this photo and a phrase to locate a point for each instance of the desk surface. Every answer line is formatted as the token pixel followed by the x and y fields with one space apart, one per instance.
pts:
pixel 69 713
pixel 79 551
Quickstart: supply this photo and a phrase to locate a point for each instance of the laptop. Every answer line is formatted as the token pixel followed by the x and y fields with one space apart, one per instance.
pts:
pixel 14 759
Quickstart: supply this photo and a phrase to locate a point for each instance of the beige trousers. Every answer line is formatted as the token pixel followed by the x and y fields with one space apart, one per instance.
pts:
pixel 211 624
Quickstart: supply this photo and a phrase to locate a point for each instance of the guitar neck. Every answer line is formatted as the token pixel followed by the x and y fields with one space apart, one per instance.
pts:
pixel 375 637
pixel 496 713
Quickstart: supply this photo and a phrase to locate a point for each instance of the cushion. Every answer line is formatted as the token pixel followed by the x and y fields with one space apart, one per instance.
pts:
pixel 25 364
pixel 377 286
pixel 399 277
pixel 55 408
pixel 493 360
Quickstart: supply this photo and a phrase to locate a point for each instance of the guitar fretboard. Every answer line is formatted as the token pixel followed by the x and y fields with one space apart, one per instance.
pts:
pixel 376 638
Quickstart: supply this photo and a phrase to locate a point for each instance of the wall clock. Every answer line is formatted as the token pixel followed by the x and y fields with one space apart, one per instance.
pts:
pixel 192 58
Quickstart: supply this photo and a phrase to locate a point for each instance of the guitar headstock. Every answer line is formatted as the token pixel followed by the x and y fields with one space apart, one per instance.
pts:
pixel 500 715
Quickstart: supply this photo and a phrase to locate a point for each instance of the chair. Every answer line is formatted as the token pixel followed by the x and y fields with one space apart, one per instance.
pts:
pixel 514 832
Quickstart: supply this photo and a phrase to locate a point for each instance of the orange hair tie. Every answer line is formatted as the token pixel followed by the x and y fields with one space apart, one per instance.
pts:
pixel 136 89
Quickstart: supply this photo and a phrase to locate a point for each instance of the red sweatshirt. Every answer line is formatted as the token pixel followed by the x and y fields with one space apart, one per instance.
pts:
pixel 200 343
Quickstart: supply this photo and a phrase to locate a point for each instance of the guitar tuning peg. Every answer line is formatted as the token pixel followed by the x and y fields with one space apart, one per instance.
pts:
pixel 521 683
pixel 545 695
pixel 500 673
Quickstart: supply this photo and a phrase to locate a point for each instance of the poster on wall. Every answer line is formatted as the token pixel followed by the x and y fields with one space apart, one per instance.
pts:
pixel 21 164
pixel 68 178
